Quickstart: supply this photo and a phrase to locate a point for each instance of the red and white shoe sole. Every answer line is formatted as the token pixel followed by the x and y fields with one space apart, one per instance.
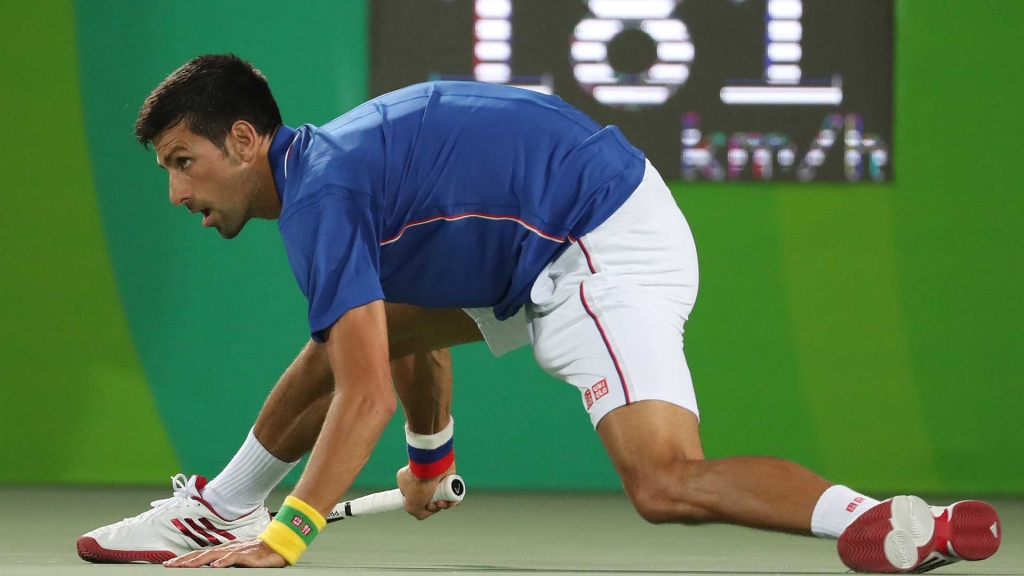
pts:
pixel 902 535
pixel 894 536
pixel 968 530
pixel 90 551
pixel 974 531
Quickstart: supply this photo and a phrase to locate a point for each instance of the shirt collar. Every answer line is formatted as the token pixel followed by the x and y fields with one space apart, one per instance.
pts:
pixel 279 156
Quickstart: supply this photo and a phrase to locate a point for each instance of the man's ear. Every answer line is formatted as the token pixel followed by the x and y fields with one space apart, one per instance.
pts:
pixel 244 139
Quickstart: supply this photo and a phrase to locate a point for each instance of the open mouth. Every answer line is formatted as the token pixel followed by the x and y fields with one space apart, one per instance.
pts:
pixel 206 218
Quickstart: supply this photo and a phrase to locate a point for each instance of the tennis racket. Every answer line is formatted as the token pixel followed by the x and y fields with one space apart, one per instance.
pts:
pixel 452 489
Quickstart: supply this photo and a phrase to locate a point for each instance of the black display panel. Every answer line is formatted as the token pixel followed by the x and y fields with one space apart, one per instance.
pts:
pixel 711 90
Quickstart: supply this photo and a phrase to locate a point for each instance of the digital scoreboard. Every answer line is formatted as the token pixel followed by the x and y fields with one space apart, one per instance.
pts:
pixel 711 90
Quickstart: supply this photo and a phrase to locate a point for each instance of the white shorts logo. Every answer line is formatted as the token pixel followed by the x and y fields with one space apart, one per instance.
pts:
pixel 595 393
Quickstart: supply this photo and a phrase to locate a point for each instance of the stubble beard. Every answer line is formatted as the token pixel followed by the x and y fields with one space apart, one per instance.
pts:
pixel 249 191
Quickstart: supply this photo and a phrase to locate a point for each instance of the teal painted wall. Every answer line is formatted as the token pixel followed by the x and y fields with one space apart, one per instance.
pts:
pixel 872 333
pixel 214 322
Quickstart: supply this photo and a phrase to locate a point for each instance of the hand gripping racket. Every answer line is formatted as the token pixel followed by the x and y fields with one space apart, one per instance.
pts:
pixel 452 489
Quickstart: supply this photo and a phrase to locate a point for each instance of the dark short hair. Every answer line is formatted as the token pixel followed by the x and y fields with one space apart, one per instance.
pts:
pixel 209 94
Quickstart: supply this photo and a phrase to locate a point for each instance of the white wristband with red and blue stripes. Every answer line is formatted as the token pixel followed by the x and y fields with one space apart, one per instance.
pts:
pixel 430 455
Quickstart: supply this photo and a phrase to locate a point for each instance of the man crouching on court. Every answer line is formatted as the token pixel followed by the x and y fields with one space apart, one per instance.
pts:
pixel 446 196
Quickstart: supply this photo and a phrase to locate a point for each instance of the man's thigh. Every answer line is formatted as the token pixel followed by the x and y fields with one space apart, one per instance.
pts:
pixel 413 330
pixel 607 316
pixel 618 346
pixel 644 435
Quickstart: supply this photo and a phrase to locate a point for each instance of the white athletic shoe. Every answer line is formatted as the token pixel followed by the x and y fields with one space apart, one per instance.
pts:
pixel 174 526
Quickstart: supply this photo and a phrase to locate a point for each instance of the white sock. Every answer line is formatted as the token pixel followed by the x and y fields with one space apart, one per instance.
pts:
pixel 246 481
pixel 837 508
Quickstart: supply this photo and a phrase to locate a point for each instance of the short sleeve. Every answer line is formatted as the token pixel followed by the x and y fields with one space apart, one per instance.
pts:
pixel 334 250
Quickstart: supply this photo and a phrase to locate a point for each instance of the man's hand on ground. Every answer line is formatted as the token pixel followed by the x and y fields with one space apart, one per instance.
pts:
pixel 248 553
pixel 419 493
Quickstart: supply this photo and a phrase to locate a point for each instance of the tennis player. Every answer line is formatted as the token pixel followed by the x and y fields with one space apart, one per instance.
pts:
pixel 449 198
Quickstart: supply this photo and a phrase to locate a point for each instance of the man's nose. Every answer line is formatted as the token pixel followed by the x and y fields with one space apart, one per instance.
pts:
pixel 177 192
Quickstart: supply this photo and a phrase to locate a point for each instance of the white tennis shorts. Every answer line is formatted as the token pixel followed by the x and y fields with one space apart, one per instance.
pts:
pixel 607 315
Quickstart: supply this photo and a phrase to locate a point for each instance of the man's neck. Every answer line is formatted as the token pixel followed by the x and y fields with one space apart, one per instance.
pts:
pixel 268 197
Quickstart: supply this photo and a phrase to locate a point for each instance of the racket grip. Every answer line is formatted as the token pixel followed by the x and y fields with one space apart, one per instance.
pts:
pixel 376 503
pixel 451 488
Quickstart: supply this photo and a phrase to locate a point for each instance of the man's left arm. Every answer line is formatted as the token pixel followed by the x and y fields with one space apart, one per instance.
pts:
pixel 362 406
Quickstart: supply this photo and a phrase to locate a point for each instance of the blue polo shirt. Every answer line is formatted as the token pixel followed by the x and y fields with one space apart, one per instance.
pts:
pixel 443 194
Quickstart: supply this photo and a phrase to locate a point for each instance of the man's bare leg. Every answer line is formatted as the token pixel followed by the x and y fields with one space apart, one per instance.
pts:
pixel 291 418
pixel 424 385
pixel 293 414
pixel 656 449
pixel 286 429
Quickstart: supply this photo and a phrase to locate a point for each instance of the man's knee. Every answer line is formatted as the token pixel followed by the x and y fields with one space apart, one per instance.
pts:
pixel 659 492
pixel 651 504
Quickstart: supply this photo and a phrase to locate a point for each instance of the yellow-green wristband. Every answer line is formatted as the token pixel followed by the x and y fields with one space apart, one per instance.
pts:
pixel 293 529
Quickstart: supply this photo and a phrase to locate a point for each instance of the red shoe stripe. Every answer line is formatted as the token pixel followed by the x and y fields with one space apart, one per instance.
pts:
pixel 209 526
pixel 184 530
pixel 942 533
pixel 213 539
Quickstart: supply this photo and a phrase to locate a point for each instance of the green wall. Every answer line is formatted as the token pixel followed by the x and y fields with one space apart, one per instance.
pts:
pixel 874 333
pixel 74 404
pixel 870 332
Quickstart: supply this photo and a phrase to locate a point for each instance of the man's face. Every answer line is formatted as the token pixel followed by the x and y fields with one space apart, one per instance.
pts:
pixel 206 179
